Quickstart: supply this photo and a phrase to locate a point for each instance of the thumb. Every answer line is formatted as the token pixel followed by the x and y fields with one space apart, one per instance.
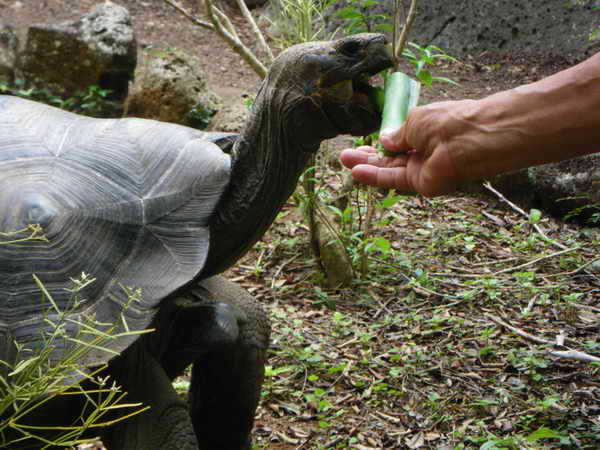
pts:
pixel 394 139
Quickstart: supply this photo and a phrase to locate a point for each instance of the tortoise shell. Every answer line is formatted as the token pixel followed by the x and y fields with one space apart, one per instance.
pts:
pixel 125 200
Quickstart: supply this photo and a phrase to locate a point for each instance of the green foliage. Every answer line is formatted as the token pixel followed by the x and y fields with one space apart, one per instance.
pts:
pixel 200 117
pixel 589 212
pixel 248 102
pixel 421 57
pixel 51 370
pixel 298 21
pixel 351 231
pixel 93 102
pixel 359 19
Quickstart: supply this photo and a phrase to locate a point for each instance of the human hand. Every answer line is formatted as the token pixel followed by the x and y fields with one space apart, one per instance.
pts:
pixel 443 144
pixel 423 163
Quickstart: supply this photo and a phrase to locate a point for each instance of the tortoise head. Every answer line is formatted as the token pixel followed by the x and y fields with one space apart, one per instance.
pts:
pixel 321 89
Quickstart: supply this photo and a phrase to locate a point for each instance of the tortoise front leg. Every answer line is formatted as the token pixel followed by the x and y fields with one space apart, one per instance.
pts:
pixel 166 425
pixel 225 333
pixel 226 384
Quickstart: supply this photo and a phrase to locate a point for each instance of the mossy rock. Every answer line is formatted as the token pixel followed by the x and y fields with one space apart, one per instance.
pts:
pixel 171 86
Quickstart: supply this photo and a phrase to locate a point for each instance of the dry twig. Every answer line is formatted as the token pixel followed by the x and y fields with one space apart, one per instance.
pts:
pixel 574 354
pixel 490 188
pixel 221 25
pixel 401 42
pixel 219 22
pixel 569 353
pixel 533 261
pixel 259 36
pixel 189 15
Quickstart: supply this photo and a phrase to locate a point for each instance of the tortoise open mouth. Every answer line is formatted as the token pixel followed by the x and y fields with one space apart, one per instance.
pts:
pixel 356 90
pixel 350 105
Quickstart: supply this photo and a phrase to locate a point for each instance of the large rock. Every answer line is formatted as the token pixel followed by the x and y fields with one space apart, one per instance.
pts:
pixel 560 189
pixel 171 86
pixel 8 53
pixel 98 49
pixel 568 186
pixel 532 27
pixel 234 112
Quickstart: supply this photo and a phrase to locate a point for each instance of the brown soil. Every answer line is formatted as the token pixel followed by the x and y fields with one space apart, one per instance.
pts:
pixel 455 389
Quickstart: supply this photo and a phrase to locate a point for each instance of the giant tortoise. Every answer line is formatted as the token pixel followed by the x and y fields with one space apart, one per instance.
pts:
pixel 166 208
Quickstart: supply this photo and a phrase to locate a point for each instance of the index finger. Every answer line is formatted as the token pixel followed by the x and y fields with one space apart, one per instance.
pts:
pixel 368 155
pixel 385 177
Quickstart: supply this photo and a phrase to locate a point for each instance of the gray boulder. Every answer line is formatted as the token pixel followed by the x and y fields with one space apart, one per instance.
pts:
pixel 533 27
pixel 98 49
pixel 233 114
pixel 8 53
pixel 568 188
pixel 171 86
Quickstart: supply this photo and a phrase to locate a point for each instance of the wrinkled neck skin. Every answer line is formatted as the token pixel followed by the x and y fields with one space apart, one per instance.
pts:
pixel 269 156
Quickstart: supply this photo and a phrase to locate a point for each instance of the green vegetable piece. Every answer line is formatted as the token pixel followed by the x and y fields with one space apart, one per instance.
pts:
pixel 401 95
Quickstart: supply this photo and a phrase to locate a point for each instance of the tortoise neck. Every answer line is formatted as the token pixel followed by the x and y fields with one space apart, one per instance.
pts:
pixel 267 160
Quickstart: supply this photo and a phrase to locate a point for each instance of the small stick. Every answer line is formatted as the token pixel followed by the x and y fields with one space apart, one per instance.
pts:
pixel 401 43
pixel 235 43
pixel 519 332
pixel 574 271
pixel 574 354
pixel 190 16
pixel 591 308
pixel 533 261
pixel 259 36
pixel 364 258
pixel 569 353
pixel 489 187
pixel 226 22
pixel 560 338
pixel 530 305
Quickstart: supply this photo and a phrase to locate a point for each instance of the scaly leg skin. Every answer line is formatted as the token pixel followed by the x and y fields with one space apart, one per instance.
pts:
pixel 166 424
pixel 225 333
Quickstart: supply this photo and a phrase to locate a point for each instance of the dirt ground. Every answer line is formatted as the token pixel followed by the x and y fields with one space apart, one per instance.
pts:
pixel 418 354
pixel 158 25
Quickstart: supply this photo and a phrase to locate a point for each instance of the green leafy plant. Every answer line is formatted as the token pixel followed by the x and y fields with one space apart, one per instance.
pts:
pixel 359 244
pixel 422 57
pixel 589 212
pixel 52 368
pixel 359 19
pixel 297 21
pixel 200 116
pixel 93 101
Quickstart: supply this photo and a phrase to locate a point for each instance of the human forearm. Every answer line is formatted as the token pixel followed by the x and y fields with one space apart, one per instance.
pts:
pixel 443 144
pixel 555 118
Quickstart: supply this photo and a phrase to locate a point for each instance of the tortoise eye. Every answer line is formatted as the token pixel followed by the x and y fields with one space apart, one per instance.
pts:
pixel 350 48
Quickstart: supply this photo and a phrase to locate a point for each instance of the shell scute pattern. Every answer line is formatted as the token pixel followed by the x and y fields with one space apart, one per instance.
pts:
pixel 125 200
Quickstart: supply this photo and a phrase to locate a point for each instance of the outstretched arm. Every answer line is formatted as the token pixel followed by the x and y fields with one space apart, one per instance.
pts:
pixel 443 144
